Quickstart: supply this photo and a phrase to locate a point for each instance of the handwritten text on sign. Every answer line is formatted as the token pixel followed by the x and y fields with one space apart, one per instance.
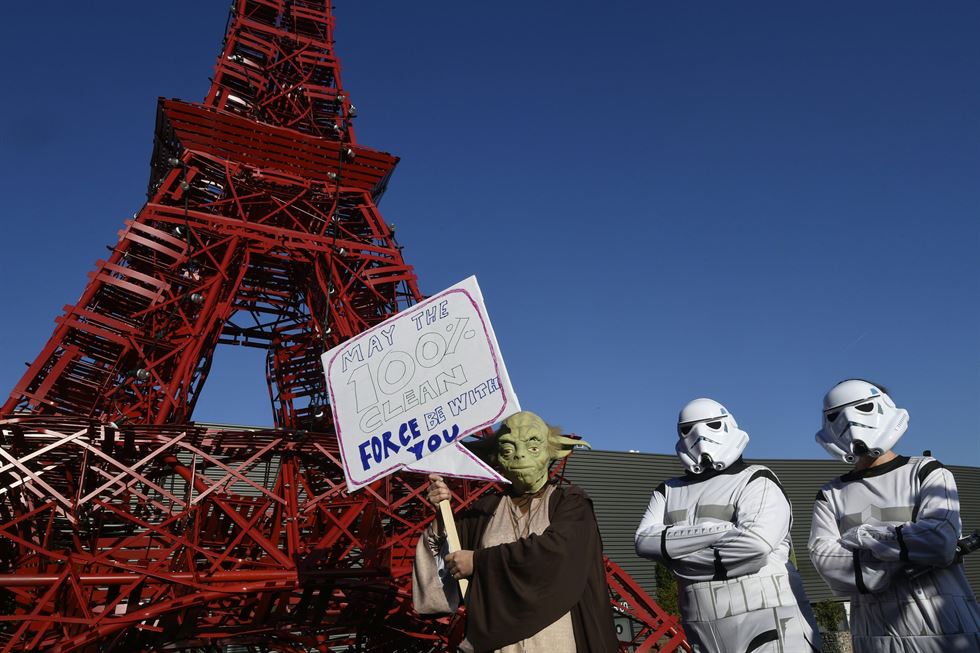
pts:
pixel 416 383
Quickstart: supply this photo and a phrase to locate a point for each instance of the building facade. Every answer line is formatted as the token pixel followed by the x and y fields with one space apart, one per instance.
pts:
pixel 620 484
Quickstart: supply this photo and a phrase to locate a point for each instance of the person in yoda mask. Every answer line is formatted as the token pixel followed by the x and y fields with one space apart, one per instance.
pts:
pixel 533 555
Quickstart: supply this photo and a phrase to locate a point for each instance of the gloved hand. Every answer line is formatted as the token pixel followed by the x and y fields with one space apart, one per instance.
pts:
pixel 875 539
pixel 849 539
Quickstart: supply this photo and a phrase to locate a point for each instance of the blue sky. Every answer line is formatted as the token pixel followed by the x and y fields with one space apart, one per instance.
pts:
pixel 661 200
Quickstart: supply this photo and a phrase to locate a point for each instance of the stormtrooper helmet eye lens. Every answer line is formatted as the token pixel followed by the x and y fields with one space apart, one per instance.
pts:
pixel 866 408
pixel 832 416
pixel 714 425
pixel 686 429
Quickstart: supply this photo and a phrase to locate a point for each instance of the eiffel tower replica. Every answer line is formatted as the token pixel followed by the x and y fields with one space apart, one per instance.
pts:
pixel 124 525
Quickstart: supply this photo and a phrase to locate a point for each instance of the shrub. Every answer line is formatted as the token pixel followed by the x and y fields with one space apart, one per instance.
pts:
pixel 829 615
pixel 666 590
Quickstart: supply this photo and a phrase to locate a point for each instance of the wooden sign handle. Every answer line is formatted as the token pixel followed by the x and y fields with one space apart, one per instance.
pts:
pixel 452 537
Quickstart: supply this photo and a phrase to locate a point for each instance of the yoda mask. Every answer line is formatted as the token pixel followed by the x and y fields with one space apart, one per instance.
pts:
pixel 525 447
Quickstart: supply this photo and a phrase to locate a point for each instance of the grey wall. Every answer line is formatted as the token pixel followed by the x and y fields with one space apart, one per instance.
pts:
pixel 620 485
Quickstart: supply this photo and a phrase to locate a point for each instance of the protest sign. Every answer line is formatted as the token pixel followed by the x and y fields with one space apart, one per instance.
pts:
pixel 415 385
pixel 456 461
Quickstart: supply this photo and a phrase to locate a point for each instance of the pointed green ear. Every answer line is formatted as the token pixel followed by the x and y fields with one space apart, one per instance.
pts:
pixel 566 445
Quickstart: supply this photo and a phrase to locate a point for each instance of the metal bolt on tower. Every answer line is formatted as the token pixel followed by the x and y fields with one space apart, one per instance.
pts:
pixel 123 525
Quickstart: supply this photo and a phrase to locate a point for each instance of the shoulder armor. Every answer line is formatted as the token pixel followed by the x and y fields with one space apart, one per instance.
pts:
pixel 926 466
pixel 760 471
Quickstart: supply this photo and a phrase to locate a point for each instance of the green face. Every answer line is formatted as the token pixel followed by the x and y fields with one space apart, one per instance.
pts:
pixel 524 457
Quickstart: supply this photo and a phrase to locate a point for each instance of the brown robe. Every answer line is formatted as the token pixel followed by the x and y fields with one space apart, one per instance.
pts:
pixel 517 589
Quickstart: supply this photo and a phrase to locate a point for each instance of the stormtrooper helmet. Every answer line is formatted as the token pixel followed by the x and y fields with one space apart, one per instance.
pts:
pixel 859 419
pixel 709 436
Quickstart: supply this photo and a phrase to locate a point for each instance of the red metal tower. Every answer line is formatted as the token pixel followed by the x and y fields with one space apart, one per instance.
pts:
pixel 124 526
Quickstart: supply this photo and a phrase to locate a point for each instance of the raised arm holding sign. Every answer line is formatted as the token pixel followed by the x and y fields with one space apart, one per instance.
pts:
pixel 405 392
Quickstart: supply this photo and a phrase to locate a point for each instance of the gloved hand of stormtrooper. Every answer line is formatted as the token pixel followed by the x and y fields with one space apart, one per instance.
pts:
pixel 871 538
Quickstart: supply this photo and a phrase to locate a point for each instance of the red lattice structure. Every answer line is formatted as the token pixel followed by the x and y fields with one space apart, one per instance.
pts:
pixel 127 527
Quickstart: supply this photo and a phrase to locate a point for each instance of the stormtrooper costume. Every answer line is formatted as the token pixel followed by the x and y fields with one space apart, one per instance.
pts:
pixel 870 526
pixel 723 529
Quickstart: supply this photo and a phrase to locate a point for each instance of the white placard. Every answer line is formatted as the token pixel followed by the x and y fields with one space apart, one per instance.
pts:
pixel 456 461
pixel 416 384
